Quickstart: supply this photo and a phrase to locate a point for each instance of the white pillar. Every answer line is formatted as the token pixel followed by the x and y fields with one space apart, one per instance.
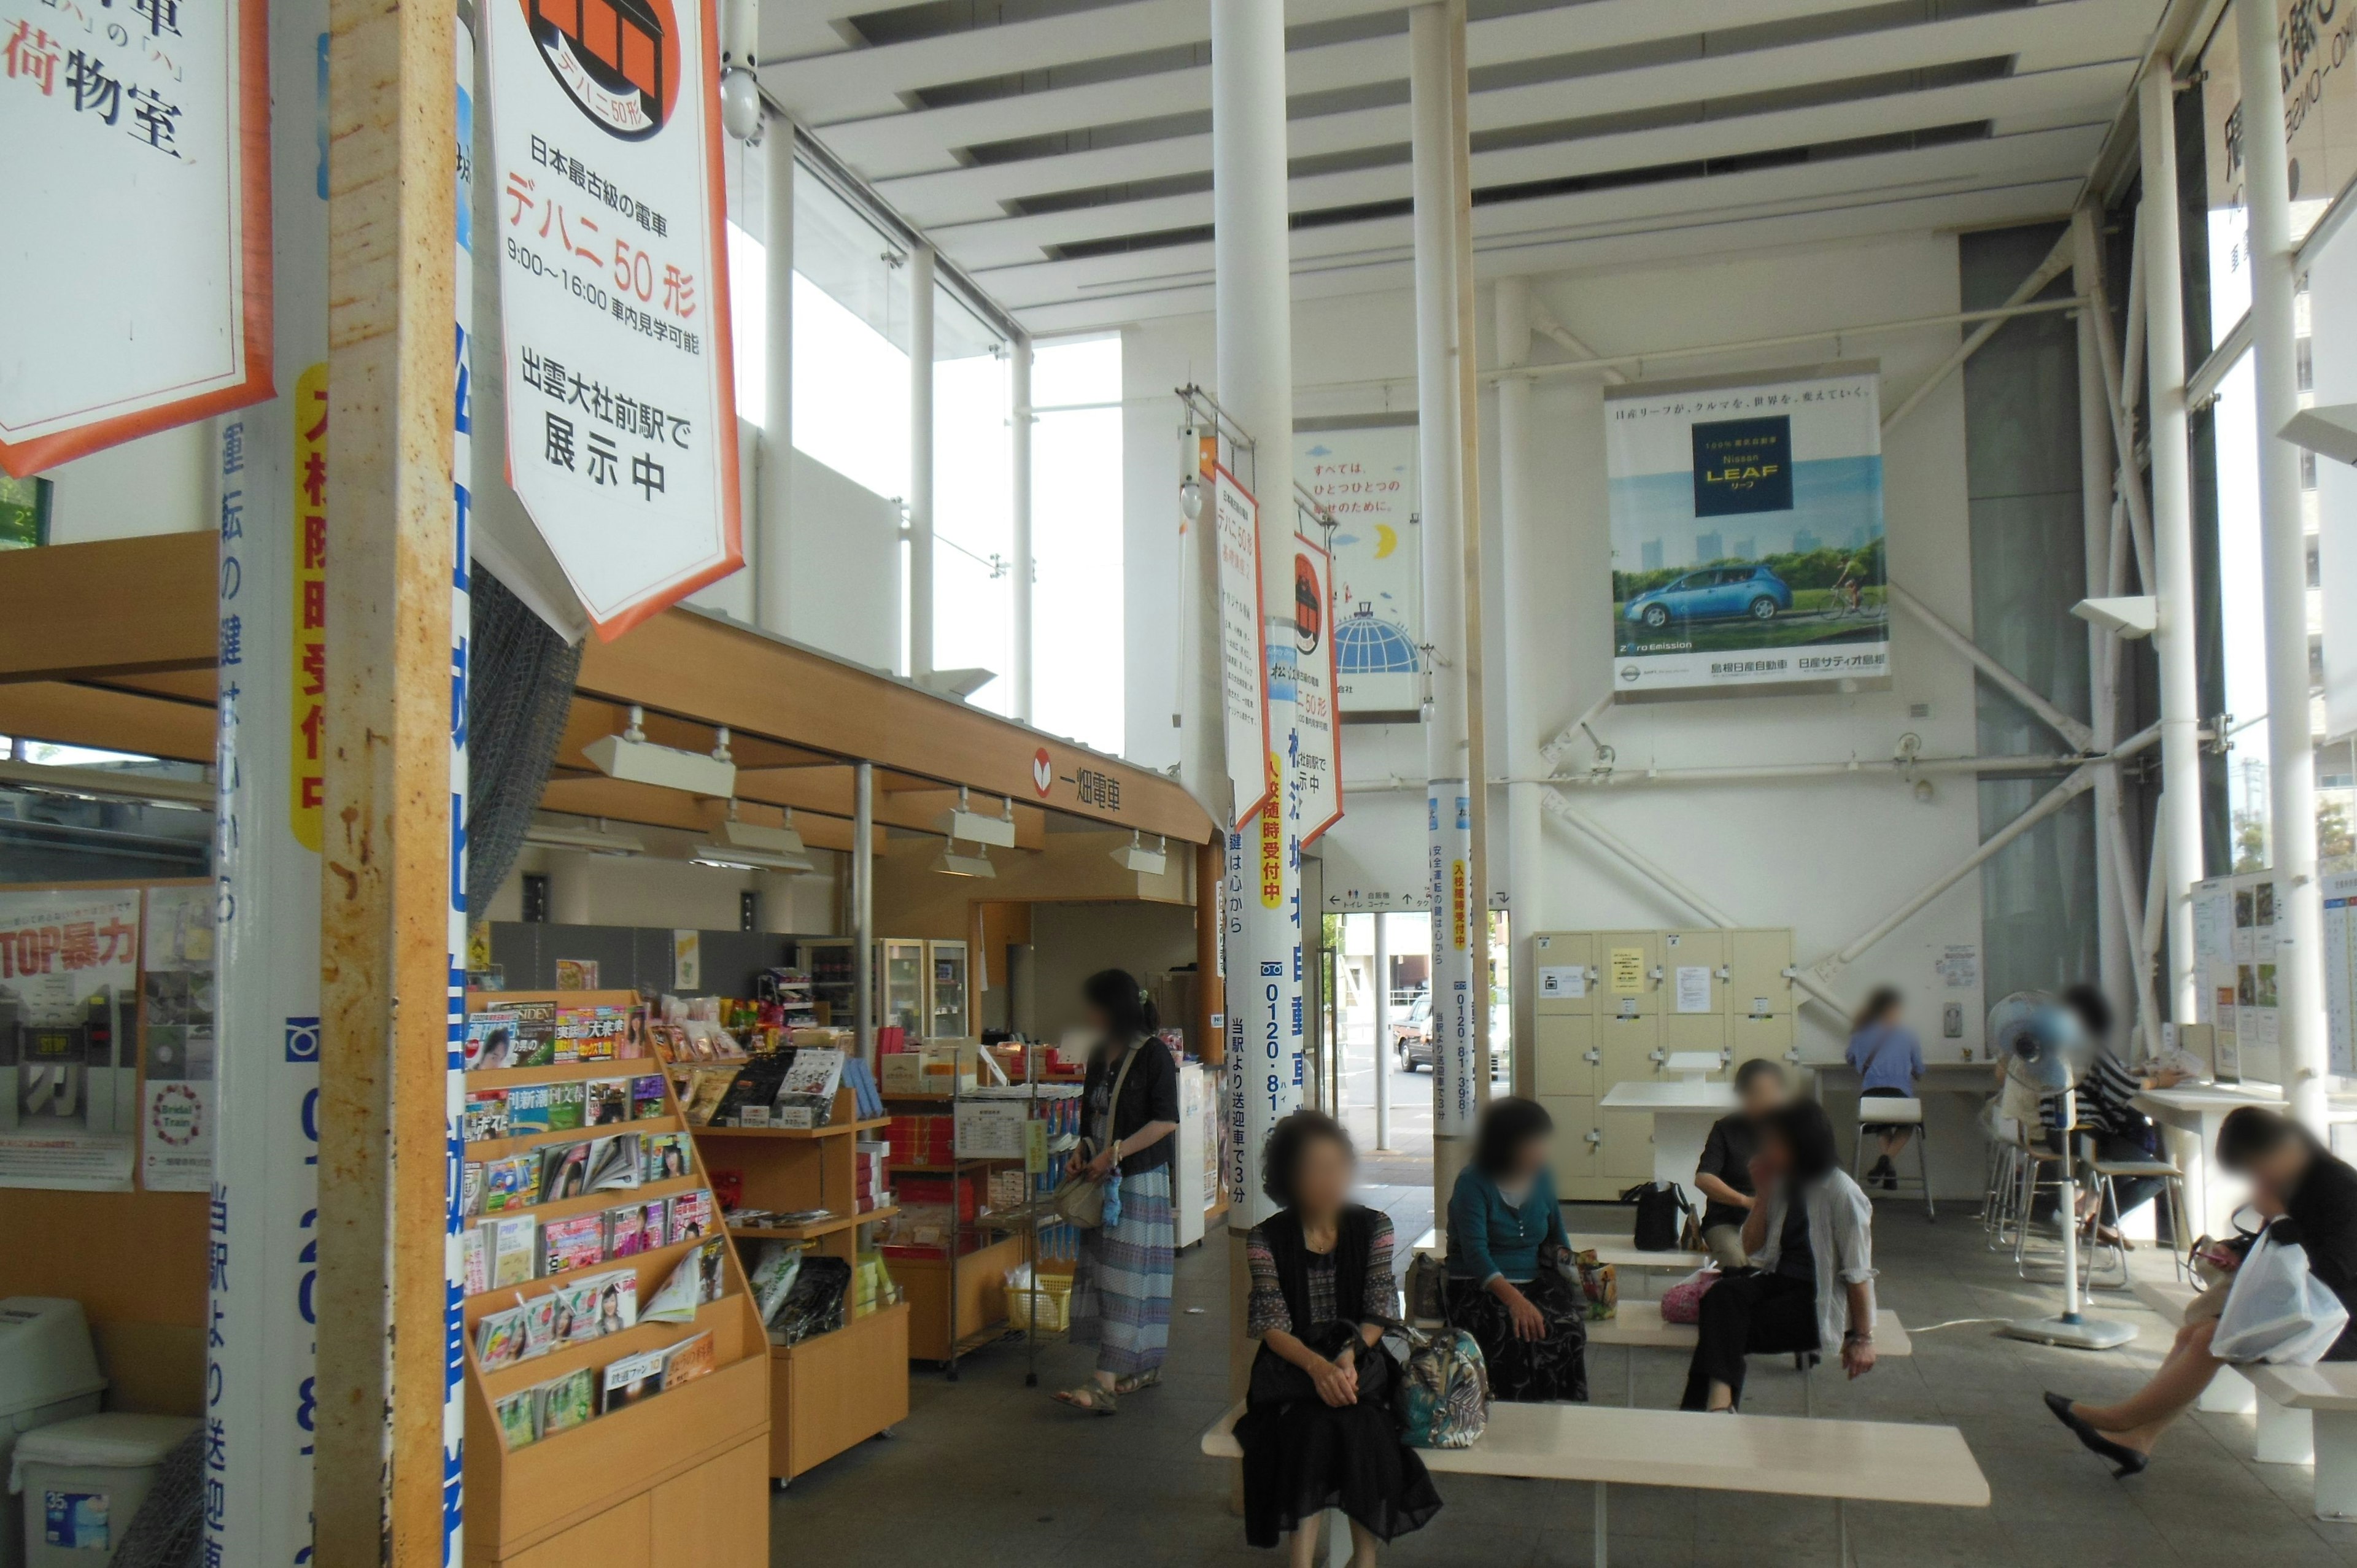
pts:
pixel 2283 561
pixel 1382 989
pixel 2179 844
pixel 1524 607
pixel 1254 331
pixel 2096 467
pixel 774 499
pixel 1456 903
pixel 920 463
pixel 1020 392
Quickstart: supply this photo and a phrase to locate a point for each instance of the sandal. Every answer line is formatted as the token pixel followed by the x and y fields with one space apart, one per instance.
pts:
pixel 1093 1397
pixel 1136 1381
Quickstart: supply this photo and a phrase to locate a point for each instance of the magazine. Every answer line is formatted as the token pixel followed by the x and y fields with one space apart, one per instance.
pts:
pixel 577 1313
pixel 609 1101
pixel 772 1275
pixel 626 1231
pixel 539 1326
pixel 706 1089
pixel 499 1339
pixel 568 1104
pixel 667 1157
pixel 485 1114
pixel 614 1161
pixel 490 1040
pixel 654 1222
pixel 576 1243
pixel 564 1171
pixel 712 1268
pixel 577 975
pixel 691 1216
pixel 519 1419
pixel 527 1107
pixel 631 1379
pixel 676 1299
pixel 511 1183
pixel 688 1360
pixel 535 1034
pixel 565 1402
pixel 513 1249
pixel 475 1260
pixel 618 1300
pixel 647 1096
pixel 470 1187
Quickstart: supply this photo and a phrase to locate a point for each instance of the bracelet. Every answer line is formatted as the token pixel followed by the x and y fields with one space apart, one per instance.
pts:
pixel 1856 1339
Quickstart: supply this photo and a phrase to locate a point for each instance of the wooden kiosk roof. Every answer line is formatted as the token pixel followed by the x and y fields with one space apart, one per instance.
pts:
pixel 114 645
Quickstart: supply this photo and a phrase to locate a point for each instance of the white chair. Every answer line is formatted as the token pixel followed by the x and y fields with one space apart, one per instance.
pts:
pixel 1881 1111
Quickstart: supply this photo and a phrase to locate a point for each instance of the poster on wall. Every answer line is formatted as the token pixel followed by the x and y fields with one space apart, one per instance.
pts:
pixel 1242 645
pixel 69 1065
pixel 1746 532
pixel 175 1020
pixel 137 261
pixel 2339 890
pixel 1316 737
pixel 621 413
pixel 1365 480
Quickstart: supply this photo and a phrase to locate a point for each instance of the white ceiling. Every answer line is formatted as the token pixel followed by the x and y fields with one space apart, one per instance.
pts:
pixel 1059 151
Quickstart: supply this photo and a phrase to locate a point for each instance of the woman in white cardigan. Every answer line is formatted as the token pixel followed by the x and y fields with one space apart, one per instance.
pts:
pixel 1811 1283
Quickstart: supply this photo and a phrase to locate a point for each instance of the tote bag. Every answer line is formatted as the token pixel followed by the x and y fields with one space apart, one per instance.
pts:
pixel 2276 1310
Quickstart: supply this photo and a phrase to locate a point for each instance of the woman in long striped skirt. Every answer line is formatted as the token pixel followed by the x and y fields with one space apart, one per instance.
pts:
pixel 1121 1288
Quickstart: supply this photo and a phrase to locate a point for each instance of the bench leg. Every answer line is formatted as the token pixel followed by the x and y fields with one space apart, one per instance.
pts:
pixel 1338 1538
pixel 1841 1532
pixel 1602 1533
pixel 2229 1393
pixel 2336 1464
pixel 1629 1375
pixel 2286 1436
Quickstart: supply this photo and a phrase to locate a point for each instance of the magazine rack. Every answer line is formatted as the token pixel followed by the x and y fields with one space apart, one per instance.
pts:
pixel 679 1477
pixel 833 1390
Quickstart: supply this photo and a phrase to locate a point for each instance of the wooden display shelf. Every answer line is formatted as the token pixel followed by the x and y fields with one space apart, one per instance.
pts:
pixel 676 1477
pixel 833 1130
pixel 815 1229
pixel 980 1282
pixel 497 1148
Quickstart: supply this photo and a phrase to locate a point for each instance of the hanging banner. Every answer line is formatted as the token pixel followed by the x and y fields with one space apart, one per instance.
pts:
pixel 621 402
pixel 69 1061
pixel 1746 532
pixel 176 1030
pixel 136 256
pixel 1243 649
pixel 1316 737
pixel 1366 480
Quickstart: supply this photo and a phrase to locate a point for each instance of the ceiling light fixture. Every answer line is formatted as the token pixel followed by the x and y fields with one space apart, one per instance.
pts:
pixel 632 758
pixel 752 847
pixel 964 822
pixel 596 840
pixel 1134 856
pixel 949 863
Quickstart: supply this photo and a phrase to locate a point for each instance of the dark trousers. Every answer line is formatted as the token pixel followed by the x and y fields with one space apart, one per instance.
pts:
pixel 1741 1313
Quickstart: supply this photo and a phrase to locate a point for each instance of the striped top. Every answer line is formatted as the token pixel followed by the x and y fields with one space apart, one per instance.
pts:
pixel 2104 1092
pixel 1265 1310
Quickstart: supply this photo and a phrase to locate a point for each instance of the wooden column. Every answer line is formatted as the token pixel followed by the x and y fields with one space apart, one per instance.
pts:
pixel 386 846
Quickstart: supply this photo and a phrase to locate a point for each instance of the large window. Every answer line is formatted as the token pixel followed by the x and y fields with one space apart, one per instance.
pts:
pixel 974 502
pixel 1076 535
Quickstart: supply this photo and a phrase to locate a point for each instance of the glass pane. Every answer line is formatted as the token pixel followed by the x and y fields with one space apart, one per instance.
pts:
pixel 1076 509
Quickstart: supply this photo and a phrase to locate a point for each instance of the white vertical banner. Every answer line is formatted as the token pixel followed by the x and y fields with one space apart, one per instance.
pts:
pixel 1365 480
pixel 1317 732
pixel 275 535
pixel 453 1360
pixel 1263 927
pixel 1448 839
pixel 1236 517
pixel 620 398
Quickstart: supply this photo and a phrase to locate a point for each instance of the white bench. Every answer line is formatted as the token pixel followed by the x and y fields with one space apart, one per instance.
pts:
pixel 2229 1392
pixel 1613 1249
pixel 1638 1325
pixel 2324 1395
pixel 1882 1462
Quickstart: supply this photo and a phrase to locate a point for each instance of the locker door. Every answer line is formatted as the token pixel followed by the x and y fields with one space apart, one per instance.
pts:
pixel 1565 978
pixel 1694 1032
pixel 1756 964
pixel 1627 1146
pixel 1578 1167
pixel 1566 1053
pixel 1769 1036
pixel 1629 962
pixel 1625 1051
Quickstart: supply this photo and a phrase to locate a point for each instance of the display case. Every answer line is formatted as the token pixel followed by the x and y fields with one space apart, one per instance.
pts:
pixel 948 991
pixel 900 967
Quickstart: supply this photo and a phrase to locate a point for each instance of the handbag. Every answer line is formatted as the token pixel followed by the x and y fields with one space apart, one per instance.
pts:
pixel 1659 1206
pixel 1428 1293
pixel 1080 1199
pixel 1682 1303
pixel 2278 1310
pixel 1444 1391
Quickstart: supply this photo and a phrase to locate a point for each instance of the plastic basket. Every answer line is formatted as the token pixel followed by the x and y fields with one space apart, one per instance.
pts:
pixel 1055 1298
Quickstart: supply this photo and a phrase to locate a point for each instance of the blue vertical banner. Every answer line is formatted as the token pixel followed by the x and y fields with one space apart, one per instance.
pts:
pixel 453 1362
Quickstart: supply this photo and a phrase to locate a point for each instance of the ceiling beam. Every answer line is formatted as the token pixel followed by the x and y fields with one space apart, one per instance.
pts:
pixel 115 605
pixel 105 720
pixel 650 805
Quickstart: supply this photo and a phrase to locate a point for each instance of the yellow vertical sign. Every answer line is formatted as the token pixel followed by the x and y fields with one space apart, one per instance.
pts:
pixel 1457 905
pixel 1272 842
pixel 1628 971
pixel 307 640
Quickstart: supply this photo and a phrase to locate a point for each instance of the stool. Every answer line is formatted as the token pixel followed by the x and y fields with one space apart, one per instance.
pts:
pixel 2103 1173
pixel 1881 1111
pixel 2031 1161
pixel 2003 1180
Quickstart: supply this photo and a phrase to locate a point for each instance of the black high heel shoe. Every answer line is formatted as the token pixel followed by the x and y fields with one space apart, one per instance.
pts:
pixel 2128 1462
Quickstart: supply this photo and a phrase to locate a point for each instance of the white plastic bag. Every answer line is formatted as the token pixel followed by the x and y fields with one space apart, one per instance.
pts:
pixel 2276 1310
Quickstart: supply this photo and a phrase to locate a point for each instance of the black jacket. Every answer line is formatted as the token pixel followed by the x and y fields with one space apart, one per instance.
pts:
pixel 1150 1093
pixel 2321 1216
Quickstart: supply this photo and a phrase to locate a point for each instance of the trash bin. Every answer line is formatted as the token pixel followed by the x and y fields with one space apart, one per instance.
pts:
pixel 48 1373
pixel 83 1479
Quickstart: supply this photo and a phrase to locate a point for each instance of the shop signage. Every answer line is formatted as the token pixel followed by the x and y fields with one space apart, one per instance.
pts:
pixel 69 1108
pixel 1317 735
pixel 1243 649
pixel 136 266
pixel 621 415
pixel 1746 532
pixel 1365 480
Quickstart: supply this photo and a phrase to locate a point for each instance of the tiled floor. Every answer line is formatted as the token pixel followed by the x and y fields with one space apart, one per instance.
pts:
pixel 987 1471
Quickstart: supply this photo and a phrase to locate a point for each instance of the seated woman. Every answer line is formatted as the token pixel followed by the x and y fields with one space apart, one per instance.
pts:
pixel 2308 1197
pixel 1810 1237
pixel 1318 1430
pixel 1889 1061
pixel 1505 1237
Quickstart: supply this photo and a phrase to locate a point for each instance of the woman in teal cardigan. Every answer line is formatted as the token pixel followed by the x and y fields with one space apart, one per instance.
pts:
pixel 1505 1239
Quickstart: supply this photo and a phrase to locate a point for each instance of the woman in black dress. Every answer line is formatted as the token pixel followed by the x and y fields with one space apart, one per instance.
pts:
pixel 1318 1430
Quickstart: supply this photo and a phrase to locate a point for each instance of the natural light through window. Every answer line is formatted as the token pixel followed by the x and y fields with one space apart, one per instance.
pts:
pixel 748 322
pixel 851 393
pixel 973 510
pixel 1076 512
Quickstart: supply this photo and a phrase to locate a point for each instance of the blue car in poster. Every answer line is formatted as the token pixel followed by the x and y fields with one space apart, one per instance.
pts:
pixel 1714 592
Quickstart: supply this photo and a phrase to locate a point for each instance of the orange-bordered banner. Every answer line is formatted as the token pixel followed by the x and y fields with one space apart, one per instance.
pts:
pixel 1316 721
pixel 1243 646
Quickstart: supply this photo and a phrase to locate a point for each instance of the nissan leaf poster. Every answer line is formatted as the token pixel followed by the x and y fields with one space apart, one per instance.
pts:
pixel 1746 532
